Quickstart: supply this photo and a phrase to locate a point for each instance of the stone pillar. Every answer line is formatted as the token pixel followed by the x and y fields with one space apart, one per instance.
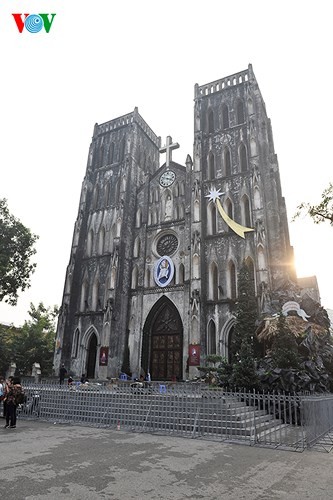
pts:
pixel 36 372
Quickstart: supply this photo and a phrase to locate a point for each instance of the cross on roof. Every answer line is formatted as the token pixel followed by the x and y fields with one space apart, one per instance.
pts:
pixel 168 148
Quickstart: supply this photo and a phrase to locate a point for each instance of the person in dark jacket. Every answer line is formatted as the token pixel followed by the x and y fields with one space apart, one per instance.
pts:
pixel 62 374
pixel 13 388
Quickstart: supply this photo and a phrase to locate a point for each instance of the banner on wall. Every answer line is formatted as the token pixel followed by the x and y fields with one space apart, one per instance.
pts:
pixel 103 356
pixel 194 355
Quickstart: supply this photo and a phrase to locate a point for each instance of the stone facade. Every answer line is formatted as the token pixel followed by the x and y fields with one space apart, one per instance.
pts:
pixel 153 266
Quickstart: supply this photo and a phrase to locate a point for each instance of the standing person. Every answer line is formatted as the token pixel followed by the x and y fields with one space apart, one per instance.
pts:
pixel 7 386
pixel 2 391
pixel 62 374
pixel 14 389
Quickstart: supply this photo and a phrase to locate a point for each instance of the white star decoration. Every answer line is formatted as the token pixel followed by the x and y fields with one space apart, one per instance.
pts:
pixel 213 194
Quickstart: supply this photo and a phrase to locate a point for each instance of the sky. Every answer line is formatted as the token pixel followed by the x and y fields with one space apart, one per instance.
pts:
pixel 101 59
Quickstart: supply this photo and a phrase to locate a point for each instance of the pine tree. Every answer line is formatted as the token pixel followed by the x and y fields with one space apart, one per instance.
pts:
pixel 244 375
pixel 246 313
pixel 284 351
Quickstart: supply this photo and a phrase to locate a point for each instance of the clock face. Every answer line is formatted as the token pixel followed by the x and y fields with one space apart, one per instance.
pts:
pixel 167 178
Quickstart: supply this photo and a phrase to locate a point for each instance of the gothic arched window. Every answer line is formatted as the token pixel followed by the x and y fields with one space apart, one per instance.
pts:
pixel 211 166
pixel 232 280
pixel 240 116
pixel 225 116
pixel 246 215
pixel 111 153
pixel 211 213
pixel 213 282
pixel 227 162
pixel 210 119
pixel 211 338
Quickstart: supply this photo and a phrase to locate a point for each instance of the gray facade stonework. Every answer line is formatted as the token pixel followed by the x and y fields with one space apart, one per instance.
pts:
pixel 116 314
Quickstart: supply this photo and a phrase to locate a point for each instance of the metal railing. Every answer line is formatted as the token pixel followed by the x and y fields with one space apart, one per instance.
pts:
pixel 318 420
pixel 187 410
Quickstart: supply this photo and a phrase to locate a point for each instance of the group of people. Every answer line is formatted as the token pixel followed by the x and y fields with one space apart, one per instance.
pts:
pixel 10 390
pixel 70 380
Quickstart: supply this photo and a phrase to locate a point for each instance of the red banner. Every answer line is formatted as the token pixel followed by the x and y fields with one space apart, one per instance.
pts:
pixel 103 356
pixel 194 355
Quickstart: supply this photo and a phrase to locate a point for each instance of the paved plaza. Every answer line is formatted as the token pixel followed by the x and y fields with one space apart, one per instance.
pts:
pixel 42 460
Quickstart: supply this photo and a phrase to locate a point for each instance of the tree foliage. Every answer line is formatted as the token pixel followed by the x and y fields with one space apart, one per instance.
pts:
pixel 284 351
pixel 16 249
pixel 246 312
pixel 321 212
pixel 34 342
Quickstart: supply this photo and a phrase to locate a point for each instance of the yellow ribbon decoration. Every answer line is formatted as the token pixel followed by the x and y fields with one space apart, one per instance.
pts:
pixel 237 228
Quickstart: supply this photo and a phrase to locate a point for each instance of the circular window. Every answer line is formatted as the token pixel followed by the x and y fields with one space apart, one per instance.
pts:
pixel 167 244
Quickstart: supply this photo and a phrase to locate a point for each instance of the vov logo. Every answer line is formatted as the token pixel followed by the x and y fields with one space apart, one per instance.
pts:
pixel 33 23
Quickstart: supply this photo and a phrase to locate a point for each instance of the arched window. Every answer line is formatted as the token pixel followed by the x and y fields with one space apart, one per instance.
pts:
pixel 210 119
pixel 211 166
pixel 181 188
pixel 250 266
pixel 232 284
pixel 225 116
pixel 227 162
pixel 195 269
pixel 242 158
pixel 211 212
pixel 111 153
pixel 240 116
pixel 211 338
pixel 245 208
pixel 213 282
pixel 176 190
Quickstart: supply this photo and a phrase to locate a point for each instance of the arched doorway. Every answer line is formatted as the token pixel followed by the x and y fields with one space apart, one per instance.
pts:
pixel 91 356
pixel 162 348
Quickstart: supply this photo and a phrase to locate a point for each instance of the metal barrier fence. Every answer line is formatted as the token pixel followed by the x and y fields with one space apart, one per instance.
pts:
pixel 318 420
pixel 187 410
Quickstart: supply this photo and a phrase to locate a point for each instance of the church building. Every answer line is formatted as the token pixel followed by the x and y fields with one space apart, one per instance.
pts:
pixel 151 283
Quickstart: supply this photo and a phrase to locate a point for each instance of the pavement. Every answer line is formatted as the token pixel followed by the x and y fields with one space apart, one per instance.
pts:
pixel 42 460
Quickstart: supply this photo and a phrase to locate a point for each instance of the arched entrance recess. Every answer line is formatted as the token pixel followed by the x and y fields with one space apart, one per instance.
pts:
pixel 91 356
pixel 162 347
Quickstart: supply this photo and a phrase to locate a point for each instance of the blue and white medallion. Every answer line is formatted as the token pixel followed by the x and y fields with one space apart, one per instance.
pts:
pixel 163 271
